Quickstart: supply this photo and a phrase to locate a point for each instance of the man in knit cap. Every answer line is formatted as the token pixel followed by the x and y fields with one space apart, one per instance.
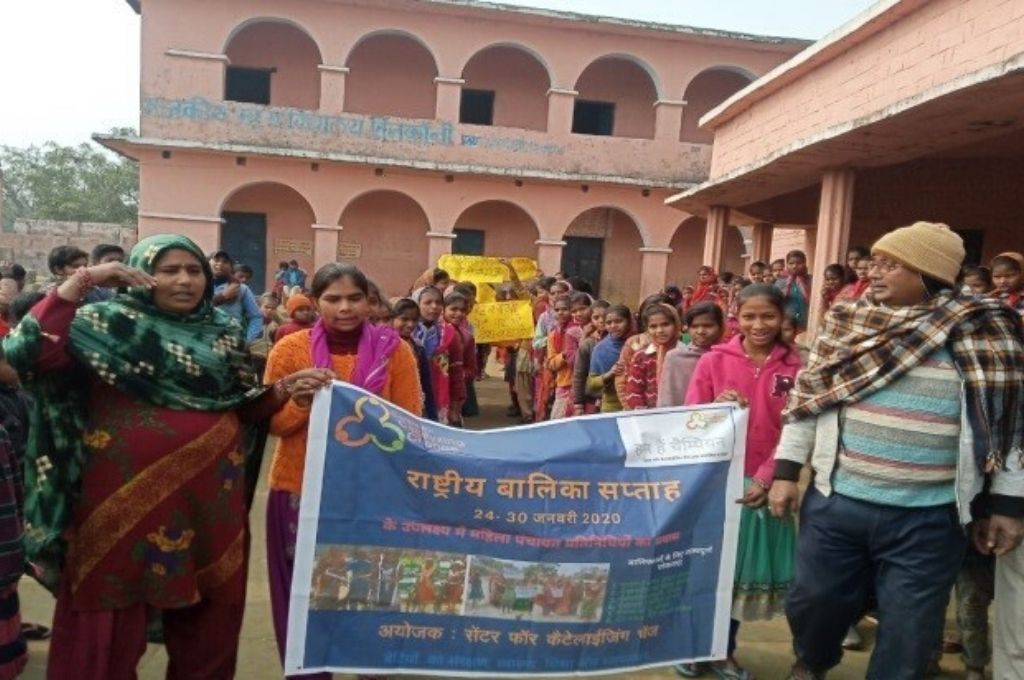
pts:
pixel 909 411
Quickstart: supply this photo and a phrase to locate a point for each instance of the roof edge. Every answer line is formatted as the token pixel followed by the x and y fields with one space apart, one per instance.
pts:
pixel 860 28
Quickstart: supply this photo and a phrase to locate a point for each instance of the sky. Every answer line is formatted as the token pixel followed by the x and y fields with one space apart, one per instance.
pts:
pixel 71 67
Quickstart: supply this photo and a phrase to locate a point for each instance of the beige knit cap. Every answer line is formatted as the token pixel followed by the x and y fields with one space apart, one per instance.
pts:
pixel 927 247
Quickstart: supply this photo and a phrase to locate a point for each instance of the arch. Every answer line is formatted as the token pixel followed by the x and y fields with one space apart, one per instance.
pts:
pixel 627 82
pixel 392 74
pixel 388 230
pixel 621 237
pixel 508 229
pixel 705 91
pixel 285 48
pixel 520 80
pixel 687 255
pixel 287 217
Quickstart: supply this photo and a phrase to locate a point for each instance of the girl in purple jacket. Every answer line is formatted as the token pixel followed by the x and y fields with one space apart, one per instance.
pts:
pixel 756 370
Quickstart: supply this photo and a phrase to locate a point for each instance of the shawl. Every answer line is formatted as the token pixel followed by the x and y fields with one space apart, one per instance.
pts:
pixel 852 292
pixel 606 353
pixel 376 346
pixel 865 347
pixel 802 283
pixel 192 362
pixel 704 291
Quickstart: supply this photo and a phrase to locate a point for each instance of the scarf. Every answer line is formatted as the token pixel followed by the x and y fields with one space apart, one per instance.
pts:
pixel 193 362
pixel 802 284
pixel 863 348
pixel 704 291
pixel 605 354
pixel 376 346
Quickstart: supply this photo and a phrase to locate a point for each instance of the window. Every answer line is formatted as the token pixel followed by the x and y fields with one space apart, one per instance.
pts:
pixel 468 242
pixel 248 85
pixel 477 107
pixel 593 118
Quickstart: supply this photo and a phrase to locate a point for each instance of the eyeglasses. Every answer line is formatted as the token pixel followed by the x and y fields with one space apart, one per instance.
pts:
pixel 884 266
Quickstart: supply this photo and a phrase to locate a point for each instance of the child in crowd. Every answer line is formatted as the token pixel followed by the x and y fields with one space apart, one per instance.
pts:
pixel 634 344
pixel 585 401
pixel 472 367
pixel 663 328
pixel 244 274
pixel 706 289
pixel 758 271
pixel 559 362
pixel 456 307
pixel 406 319
pixel 856 255
pixel 978 281
pixel 380 310
pixel 604 362
pixel 796 287
pixel 302 314
pixel 756 370
pixel 835 280
pixel 1007 279
pixel 705 325
pixel 778 268
pixel 855 290
pixel 268 310
pixel 437 339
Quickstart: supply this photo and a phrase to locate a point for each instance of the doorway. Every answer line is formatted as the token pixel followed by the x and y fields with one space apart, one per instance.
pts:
pixel 244 236
pixel 582 257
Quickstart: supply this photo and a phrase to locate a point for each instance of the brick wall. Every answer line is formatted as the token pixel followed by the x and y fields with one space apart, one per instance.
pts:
pixel 32 240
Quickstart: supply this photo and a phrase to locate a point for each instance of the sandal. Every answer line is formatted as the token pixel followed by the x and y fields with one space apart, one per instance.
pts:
pixel 35 631
pixel 726 673
pixel 689 670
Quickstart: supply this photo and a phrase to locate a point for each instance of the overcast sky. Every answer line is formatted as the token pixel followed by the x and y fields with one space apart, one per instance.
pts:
pixel 69 68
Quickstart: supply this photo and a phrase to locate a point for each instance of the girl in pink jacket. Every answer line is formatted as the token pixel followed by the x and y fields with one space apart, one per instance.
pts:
pixel 756 369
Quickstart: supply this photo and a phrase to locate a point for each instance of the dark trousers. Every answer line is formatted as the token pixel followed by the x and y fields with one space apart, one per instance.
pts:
pixel 912 555
pixel 254 442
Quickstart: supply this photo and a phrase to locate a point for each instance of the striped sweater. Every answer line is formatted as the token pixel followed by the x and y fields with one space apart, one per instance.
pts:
pixel 900 445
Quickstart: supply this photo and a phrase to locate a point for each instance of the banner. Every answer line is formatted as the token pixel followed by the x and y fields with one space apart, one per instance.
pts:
pixel 478 269
pixel 577 546
pixel 502 321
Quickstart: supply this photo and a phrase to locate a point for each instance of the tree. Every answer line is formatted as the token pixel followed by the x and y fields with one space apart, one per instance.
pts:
pixel 69 183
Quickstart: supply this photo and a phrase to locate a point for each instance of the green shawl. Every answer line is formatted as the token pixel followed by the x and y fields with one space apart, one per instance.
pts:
pixel 193 362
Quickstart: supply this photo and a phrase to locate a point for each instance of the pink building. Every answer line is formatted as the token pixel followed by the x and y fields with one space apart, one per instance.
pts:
pixel 912 111
pixel 387 133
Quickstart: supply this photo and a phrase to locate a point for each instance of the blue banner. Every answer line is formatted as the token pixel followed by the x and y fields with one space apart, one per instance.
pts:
pixel 582 545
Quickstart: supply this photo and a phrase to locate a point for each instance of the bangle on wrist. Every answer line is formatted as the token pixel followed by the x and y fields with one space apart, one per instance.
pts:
pixel 83 280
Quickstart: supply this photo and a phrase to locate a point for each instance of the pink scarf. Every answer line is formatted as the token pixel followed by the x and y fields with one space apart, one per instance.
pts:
pixel 376 346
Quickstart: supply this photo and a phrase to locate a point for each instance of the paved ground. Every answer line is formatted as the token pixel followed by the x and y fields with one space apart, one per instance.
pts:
pixel 764 647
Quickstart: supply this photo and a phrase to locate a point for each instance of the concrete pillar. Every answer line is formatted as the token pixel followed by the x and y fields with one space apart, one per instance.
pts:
pixel 561 104
pixel 832 238
pixel 332 87
pixel 668 119
pixel 714 236
pixel 449 98
pixel 325 244
pixel 810 245
pixel 761 248
pixel 439 243
pixel 549 256
pixel 653 269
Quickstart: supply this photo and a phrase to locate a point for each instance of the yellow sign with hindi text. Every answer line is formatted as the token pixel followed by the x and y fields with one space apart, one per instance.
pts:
pixel 479 269
pixel 502 321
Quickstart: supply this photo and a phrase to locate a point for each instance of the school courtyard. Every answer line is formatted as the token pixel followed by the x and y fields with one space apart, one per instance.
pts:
pixel 764 647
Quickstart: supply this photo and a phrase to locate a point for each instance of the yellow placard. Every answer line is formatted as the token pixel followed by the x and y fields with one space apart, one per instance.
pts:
pixel 478 269
pixel 485 293
pixel 502 321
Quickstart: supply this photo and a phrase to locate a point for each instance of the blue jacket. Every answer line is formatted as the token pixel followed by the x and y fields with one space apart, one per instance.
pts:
pixel 243 308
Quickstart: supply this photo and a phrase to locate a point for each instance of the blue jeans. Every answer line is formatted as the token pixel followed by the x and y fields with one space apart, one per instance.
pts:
pixel 910 555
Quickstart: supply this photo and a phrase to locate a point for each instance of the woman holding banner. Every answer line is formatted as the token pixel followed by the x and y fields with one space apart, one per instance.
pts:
pixel 343 344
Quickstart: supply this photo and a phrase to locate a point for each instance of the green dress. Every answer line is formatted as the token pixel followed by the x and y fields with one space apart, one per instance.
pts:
pixel 764 563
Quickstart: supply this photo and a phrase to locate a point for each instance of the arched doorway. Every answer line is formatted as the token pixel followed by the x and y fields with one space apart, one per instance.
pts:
pixel 510 84
pixel 384 233
pixel 687 252
pixel 266 223
pixel 706 91
pixel 273 61
pixel 603 246
pixel 496 229
pixel 616 98
pixel 391 74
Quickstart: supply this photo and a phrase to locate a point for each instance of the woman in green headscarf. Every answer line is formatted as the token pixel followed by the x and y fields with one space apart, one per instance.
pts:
pixel 135 489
